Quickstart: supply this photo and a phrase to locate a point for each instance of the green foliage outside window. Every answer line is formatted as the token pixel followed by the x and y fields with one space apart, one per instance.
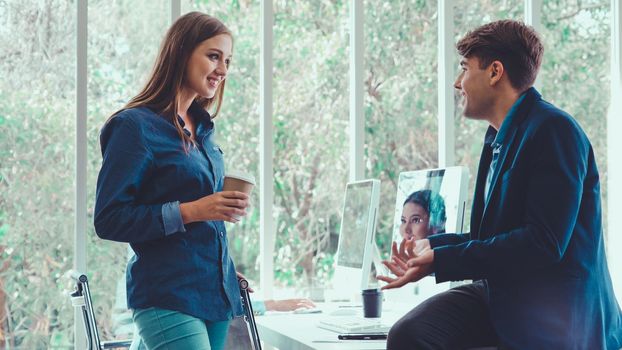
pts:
pixel 37 156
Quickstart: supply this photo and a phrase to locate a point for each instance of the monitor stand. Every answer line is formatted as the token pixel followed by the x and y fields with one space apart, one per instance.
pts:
pixel 377 261
pixel 342 281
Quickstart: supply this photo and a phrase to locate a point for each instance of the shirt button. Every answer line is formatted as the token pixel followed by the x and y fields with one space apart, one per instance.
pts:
pixel 221 234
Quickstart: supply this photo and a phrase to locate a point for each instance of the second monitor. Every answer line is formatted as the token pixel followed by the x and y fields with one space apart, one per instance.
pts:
pixel 430 201
pixel 356 237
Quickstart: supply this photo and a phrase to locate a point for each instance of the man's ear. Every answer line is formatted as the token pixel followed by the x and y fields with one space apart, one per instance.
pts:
pixel 496 71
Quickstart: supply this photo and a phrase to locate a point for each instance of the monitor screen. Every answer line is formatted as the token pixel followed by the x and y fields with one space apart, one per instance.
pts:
pixel 354 222
pixel 429 202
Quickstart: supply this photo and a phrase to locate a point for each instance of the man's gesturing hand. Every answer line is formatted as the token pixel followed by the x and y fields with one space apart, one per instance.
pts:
pixel 409 263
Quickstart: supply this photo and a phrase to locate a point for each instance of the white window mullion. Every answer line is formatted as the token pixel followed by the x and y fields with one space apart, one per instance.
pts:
pixel 79 257
pixel 357 116
pixel 614 145
pixel 533 17
pixel 175 10
pixel 266 168
pixel 533 14
pixel 446 52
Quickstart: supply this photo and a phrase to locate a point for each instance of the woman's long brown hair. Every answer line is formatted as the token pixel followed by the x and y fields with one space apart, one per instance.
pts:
pixel 161 92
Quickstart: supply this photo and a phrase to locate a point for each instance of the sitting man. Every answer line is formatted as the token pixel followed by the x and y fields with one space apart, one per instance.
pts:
pixel 536 249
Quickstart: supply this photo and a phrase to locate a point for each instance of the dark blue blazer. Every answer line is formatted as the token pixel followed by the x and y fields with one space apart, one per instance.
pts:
pixel 538 243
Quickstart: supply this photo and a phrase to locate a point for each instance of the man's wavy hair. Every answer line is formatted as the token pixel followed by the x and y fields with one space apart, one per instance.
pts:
pixel 516 45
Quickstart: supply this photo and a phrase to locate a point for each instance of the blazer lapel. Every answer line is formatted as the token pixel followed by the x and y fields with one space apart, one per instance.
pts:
pixel 503 153
pixel 521 114
pixel 482 171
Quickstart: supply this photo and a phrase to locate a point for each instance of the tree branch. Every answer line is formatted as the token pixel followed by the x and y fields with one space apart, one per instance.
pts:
pixel 581 8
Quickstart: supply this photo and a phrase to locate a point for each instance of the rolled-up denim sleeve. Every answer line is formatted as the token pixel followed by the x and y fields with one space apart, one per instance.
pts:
pixel 171 216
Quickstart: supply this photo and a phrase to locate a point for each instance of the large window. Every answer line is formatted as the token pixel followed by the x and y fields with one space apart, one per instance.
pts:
pixel 310 136
pixel 575 73
pixel 37 155
pixel 400 97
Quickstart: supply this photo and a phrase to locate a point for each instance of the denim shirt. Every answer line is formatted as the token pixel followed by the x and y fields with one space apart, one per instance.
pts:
pixel 145 174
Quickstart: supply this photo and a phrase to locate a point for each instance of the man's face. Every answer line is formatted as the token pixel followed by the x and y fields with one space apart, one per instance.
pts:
pixel 473 84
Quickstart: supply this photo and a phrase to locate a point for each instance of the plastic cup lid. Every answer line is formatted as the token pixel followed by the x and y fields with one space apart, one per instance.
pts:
pixel 241 176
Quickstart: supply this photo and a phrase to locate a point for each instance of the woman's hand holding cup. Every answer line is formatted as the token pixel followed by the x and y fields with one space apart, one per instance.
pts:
pixel 228 205
pixel 221 206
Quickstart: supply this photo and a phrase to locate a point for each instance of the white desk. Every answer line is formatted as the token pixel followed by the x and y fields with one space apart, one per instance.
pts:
pixel 288 331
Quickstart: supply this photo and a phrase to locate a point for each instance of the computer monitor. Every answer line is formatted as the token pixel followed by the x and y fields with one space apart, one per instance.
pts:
pixel 437 196
pixel 356 237
pixel 430 201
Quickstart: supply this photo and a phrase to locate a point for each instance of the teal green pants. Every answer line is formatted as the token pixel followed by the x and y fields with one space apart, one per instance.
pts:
pixel 172 330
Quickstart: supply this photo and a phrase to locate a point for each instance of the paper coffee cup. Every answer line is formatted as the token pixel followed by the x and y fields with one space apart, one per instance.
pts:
pixel 238 181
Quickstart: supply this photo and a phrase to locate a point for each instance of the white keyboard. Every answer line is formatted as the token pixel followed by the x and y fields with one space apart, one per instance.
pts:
pixel 354 324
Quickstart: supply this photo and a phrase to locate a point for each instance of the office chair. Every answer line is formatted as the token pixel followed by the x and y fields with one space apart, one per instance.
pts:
pixel 253 342
pixel 81 298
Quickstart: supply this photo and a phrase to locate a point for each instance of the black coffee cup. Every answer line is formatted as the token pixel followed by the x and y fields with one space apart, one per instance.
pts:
pixel 372 303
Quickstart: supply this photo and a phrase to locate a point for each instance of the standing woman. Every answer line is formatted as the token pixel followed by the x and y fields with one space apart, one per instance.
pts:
pixel 159 189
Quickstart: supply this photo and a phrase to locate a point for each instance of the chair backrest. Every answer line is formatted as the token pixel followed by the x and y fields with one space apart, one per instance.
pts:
pixel 246 337
pixel 81 298
pixel 249 314
pixel 243 334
